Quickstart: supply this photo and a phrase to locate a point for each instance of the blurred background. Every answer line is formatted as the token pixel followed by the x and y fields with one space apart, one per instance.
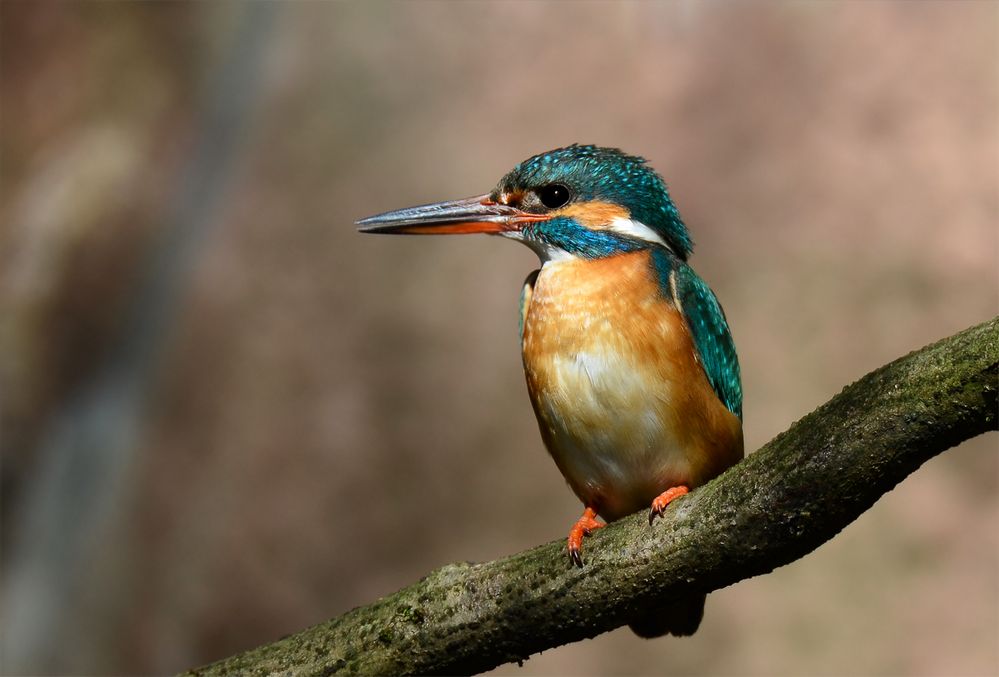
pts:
pixel 227 416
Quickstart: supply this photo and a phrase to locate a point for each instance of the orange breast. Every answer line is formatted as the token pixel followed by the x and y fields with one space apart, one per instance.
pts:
pixel 624 407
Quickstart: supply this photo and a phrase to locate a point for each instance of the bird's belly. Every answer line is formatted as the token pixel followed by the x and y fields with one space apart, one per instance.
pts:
pixel 607 426
pixel 623 406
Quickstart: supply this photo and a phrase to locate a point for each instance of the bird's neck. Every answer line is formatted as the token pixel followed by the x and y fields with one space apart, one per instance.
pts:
pixel 595 281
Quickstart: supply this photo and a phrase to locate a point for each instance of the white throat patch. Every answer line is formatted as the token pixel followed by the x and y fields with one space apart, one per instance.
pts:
pixel 546 252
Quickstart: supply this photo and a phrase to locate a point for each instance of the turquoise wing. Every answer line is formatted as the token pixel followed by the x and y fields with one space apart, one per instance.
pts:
pixel 708 326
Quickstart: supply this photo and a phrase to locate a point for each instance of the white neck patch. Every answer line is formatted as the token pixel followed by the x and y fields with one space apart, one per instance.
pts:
pixel 636 229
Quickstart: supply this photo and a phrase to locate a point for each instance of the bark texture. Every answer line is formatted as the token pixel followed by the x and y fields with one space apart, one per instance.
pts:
pixel 782 502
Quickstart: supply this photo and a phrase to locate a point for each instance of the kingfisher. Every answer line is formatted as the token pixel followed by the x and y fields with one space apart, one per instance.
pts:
pixel 630 364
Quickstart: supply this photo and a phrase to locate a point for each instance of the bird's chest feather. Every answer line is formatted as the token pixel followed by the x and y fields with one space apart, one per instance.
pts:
pixel 623 405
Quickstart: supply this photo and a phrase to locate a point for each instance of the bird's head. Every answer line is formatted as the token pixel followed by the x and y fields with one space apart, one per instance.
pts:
pixel 578 201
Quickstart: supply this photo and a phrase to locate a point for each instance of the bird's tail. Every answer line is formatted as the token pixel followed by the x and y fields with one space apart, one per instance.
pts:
pixel 680 618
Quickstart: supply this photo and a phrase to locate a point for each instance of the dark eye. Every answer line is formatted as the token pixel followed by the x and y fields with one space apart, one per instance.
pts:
pixel 554 195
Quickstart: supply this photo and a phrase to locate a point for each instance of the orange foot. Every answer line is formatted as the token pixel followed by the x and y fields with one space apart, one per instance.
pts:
pixel 583 527
pixel 660 502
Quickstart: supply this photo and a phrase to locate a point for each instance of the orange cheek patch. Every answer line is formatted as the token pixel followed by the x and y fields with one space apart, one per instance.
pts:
pixel 595 215
pixel 514 198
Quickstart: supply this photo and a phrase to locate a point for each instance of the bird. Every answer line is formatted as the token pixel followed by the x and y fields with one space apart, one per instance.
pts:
pixel 630 364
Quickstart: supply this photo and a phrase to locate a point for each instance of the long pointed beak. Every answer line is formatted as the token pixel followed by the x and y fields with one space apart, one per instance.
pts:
pixel 471 215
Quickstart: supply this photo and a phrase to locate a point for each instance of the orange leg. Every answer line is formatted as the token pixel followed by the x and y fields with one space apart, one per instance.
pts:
pixel 660 502
pixel 584 525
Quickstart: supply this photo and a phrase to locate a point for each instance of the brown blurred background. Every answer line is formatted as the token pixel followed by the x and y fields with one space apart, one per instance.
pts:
pixel 227 416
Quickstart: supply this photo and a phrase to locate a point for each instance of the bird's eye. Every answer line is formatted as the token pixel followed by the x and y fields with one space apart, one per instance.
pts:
pixel 554 195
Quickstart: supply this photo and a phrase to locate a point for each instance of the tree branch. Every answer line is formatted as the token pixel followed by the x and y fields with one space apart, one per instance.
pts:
pixel 781 503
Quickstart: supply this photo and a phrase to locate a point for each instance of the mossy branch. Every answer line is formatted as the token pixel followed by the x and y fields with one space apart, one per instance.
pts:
pixel 779 504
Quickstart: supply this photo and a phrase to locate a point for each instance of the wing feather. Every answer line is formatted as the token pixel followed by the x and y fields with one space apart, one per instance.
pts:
pixel 708 327
pixel 525 298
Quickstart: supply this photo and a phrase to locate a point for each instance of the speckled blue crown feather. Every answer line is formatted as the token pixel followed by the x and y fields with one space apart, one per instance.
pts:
pixel 608 175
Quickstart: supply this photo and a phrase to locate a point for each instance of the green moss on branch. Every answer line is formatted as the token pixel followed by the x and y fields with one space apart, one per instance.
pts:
pixel 781 503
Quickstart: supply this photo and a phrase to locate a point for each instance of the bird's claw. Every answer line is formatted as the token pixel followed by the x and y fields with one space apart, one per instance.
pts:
pixel 660 502
pixel 584 526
